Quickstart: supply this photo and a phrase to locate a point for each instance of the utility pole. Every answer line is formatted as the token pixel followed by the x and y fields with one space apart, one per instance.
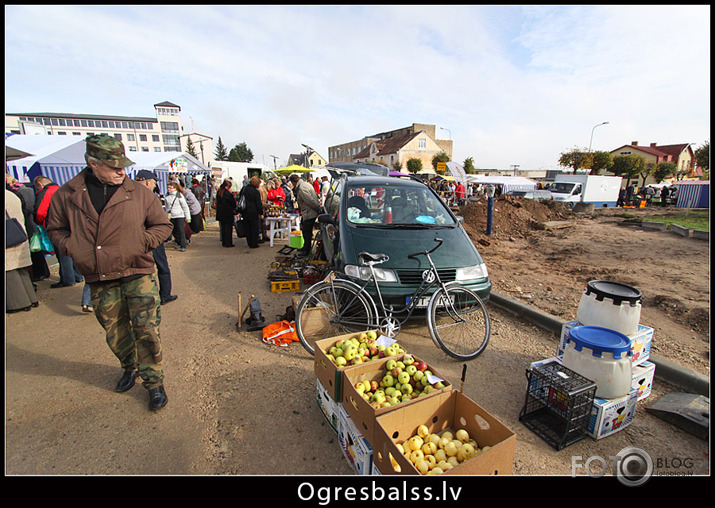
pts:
pixel 274 162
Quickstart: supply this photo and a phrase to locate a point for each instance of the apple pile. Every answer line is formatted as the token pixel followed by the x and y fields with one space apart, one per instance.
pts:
pixel 404 379
pixel 434 454
pixel 359 349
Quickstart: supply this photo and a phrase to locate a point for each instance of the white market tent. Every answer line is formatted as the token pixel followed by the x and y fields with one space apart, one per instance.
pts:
pixel 508 183
pixel 57 157
pixel 166 165
pixel 60 158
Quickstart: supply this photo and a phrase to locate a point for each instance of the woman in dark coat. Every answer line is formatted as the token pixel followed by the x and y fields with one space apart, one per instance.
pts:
pixel 254 211
pixel 225 209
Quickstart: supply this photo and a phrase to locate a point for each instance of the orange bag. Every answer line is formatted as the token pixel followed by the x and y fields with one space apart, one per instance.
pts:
pixel 280 333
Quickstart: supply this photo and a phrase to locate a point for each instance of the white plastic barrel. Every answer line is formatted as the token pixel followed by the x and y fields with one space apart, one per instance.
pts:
pixel 610 305
pixel 603 356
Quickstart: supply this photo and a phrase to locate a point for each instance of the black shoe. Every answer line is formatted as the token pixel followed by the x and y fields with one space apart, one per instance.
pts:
pixel 127 381
pixel 169 299
pixel 157 398
pixel 60 285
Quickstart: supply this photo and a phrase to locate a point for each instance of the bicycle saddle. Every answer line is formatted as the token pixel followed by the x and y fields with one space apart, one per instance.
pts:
pixel 366 257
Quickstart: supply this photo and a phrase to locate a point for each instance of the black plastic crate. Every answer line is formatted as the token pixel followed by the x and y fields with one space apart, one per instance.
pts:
pixel 558 404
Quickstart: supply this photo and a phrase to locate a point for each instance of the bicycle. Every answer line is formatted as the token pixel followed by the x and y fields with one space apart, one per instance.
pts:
pixel 457 318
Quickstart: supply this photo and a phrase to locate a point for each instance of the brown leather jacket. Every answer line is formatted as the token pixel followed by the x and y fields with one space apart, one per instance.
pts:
pixel 115 244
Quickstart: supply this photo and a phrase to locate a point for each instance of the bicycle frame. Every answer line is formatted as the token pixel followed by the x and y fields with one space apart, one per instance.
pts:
pixel 430 278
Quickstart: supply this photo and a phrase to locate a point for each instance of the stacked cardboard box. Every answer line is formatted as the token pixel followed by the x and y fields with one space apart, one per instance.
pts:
pixel 361 427
pixel 611 415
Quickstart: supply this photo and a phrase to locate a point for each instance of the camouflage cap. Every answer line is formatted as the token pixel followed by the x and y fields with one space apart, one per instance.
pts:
pixel 107 149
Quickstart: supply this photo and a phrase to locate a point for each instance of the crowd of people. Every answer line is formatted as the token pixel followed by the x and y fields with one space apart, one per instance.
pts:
pixel 110 232
pixel 244 210
pixel 649 195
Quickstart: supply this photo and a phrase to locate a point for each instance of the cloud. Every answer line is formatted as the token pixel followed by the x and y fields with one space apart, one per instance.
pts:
pixel 512 84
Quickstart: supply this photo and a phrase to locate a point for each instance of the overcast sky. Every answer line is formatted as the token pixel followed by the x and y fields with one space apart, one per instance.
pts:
pixel 511 85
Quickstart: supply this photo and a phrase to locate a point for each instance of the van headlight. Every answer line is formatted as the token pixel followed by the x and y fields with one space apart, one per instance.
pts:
pixel 472 272
pixel 363 272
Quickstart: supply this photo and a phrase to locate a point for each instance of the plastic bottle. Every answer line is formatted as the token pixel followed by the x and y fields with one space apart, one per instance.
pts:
pixel 388 215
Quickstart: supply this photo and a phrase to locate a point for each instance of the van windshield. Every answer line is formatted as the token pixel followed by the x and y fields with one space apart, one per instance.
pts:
pixel 395 205
pixel 561 187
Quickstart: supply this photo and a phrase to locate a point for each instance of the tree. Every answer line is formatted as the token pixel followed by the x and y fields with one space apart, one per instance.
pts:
pixel 702 157
pixel 664 170
pixel 469 166
pixel 414 165
pixel 576 159
pixel 240 153
pixel 628 166
pixel 439 157
pixel 602 161
pixel 220 154
pixel 190 148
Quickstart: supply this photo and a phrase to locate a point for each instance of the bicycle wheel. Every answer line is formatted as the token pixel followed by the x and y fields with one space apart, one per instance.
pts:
pixel 333 308
pixel 458 322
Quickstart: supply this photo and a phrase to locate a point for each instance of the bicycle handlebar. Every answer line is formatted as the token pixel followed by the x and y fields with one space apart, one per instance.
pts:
pixel 427 252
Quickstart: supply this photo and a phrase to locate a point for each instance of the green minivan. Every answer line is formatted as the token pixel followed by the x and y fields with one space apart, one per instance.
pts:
pixel 366 210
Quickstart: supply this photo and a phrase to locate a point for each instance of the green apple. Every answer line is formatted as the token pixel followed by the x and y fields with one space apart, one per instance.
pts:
pixel 390 364
pixel 406 389
pixel 340 361
pixel 401 364
pixel 350 353
pixel 371 334
pixel 390 390
pixel 417 376
pixel 403 377
pixel 410 369
pixel 388 380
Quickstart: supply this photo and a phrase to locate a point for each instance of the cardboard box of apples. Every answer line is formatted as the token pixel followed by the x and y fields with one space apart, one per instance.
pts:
pixel 445 434
pixel 374 388
pixel 334 355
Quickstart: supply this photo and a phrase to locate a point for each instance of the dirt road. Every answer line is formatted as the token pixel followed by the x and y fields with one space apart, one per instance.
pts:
pixel 238 406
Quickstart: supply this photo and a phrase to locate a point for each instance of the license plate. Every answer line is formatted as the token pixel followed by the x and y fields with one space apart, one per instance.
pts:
pixel 423 301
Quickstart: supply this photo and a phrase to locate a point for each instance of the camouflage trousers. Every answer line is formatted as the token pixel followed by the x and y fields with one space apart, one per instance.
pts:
pixel 130 314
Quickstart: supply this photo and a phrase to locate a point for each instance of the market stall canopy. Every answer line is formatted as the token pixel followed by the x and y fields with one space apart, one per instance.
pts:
pixel 693 194
pixel 293 168
pixel 165 165
pixel 59 158
pixel 508 183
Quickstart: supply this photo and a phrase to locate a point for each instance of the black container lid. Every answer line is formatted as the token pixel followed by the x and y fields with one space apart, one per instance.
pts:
pixel 615 291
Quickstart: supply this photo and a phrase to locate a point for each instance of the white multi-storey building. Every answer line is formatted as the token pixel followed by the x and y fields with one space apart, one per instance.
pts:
pixel 139 134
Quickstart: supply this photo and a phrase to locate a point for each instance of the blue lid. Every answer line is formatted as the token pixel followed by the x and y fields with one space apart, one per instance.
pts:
pixel 600 340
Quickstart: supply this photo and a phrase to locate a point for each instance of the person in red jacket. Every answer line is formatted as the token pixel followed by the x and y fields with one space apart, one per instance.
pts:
pixel 45 189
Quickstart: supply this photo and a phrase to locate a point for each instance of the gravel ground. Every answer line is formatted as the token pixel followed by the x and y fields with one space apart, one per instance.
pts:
pixel 238 406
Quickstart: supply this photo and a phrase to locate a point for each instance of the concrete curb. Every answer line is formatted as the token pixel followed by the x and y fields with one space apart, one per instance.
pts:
pixel 675 375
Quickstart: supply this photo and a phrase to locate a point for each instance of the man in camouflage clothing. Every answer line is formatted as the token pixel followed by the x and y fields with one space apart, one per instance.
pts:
pixel 109 224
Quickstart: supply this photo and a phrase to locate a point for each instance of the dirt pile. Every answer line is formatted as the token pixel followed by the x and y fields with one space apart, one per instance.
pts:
pixel 512 216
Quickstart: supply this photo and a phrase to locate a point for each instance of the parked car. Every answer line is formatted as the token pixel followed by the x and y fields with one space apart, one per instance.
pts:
pixel 366 211
pixel 537 194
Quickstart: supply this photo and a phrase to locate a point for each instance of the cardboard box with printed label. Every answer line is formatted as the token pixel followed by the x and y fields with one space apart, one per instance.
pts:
pixel 327 406
pixel 643 375
pixel 356 449
pixel 608 416
pixel 360 410
pixel 448 410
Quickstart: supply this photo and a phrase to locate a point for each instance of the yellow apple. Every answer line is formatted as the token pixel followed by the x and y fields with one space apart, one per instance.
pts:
pixel 422 431
pixel 462 435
